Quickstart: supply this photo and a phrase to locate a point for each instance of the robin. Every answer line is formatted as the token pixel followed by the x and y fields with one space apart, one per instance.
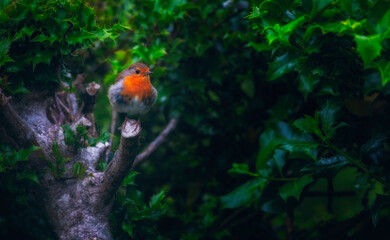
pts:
pixel 132 91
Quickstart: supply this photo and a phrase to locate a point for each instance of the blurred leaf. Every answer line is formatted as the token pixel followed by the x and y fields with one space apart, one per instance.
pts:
pixel 103 138
pixel 23 154
pixel 268 144
pixel 308 125
pixel 274 206
pixel 369 47
pixel 292 145
pixel 79 170
pixel 282 65
pixel 248 87
pixel 128 227
pixel 130 179
pixel 319 5
pixel 69 135
pixel 294 188
pixel 380 202
pixel 156 199
pixel 241 168
pixel 384 24
pixel 28 174
pixel 243 195
pixel 384 70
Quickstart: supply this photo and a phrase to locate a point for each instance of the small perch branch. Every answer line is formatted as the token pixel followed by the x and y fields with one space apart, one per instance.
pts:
pixel 122 161
pixel 17 128
pixel 90 95
pixel 156 143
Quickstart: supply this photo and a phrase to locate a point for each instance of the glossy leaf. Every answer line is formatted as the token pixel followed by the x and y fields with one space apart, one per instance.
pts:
pixel 327 164
pixel 294 188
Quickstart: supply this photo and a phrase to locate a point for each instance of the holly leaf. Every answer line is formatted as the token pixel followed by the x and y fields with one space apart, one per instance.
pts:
pixel 379 202
pixel 368 47
pixel 294 189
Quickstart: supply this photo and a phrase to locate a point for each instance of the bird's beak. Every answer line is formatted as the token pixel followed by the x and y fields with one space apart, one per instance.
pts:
pixel 148 73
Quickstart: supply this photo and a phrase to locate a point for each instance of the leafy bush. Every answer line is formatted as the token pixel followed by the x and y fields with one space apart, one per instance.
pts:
pixel 40 40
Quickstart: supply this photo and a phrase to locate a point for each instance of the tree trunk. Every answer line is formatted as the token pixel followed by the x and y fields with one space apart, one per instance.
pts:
pixel 78 206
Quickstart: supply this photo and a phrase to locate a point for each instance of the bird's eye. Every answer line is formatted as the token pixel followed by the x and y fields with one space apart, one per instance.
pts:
pixel 137 71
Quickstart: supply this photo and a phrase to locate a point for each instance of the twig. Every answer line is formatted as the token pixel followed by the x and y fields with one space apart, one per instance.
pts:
pixel 112 132
pixel 330 195
pixel 156 143
pixel 91 92
pixel 61 117
pixel 90 95
pixel 290 224
pixel 66 108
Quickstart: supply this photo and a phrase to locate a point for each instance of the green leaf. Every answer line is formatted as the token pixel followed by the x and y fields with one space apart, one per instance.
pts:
pixel 4 3
pixel 248 87
pixel 379 202
pixel 294 189
pixel 241 168
pixel 292 145
pixel 319 5
pixel 79 169
pixel 383 25
pixel 260 47
pixel 327 164
pixel 307 83
pixel 291 26
pixel 244 195
pixel 347 6
pixel 156 199
pixel 282 65
pixel 308 125
pixel 368 47
pixel 268 144
pixel 4 46
pixel 23 154
pixel 384 70
pixel 128 227
pixel 69 135
pixel 28 174
pixel 130 179
pixel 327 116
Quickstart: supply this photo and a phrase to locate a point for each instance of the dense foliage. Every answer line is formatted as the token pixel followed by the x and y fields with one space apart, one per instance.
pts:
pixel 282 106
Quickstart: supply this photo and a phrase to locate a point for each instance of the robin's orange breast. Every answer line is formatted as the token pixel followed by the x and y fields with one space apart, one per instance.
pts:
pixel 137 86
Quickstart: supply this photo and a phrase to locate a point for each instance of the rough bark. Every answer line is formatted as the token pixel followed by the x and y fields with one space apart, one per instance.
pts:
pixel 78 207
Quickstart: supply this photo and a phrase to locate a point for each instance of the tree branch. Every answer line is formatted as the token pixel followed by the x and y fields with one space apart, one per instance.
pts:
pixel 121 163
pixel 15 126
pixel 90 95
pixel 112 132
pixel 156 143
